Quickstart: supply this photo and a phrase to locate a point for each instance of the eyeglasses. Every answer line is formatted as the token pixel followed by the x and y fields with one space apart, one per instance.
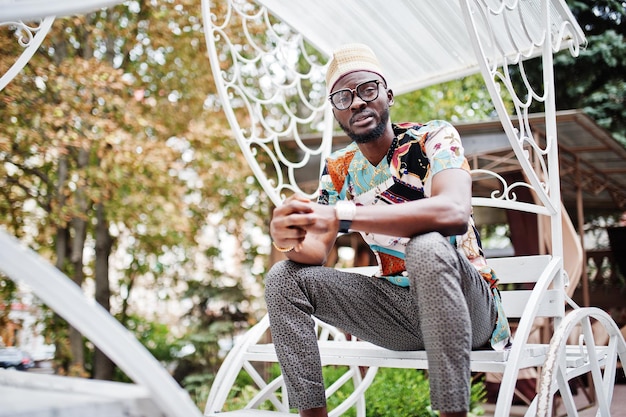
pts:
pixel 367 91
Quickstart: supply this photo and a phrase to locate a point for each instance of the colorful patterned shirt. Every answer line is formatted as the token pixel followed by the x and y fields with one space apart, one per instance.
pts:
pixel 418 152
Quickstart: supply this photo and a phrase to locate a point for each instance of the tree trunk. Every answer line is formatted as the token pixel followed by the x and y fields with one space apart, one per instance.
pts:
pixel 103 367
pixel 79 225
pixel 62 249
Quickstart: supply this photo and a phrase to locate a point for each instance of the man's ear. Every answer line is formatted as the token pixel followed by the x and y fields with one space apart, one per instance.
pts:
pixel 390 96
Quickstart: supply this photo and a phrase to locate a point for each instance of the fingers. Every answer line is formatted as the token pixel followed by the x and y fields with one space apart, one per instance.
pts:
pixel 290 226
pixel 297 203
pixel 287 237
pixel 290 221
pixel 298 197
pixel 297 216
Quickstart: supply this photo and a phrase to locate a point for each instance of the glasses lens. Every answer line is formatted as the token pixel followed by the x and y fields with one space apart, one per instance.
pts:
pixel 368 91
pixel 341 99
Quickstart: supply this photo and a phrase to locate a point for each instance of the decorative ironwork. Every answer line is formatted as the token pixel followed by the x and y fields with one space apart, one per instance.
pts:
pixel 274 82
pixel 30 38
pixel 498 26
pixel 503 194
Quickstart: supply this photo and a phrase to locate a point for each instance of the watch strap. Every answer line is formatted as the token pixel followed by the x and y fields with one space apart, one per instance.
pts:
pixel 345 211
pixel 344 225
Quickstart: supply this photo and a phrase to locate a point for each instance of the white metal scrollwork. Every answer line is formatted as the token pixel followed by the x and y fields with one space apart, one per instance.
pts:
pixel 498 26
pixel 274 82
pixel 30 38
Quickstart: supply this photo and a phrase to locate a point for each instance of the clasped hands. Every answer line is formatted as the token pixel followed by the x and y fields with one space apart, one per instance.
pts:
pixel 299 216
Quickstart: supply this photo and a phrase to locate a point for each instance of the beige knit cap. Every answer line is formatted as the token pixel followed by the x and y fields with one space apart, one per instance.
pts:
pixel 350 58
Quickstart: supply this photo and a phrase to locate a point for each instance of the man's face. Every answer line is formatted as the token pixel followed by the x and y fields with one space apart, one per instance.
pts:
pixel 364 121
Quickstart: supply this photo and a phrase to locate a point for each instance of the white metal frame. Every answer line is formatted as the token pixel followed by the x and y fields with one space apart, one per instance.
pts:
pixel 562 362
pixel 496 27
pixel 296 104
pixel 27 10
pixel 244 105
pixel 30 38
pixel 60 293
pixel 355 355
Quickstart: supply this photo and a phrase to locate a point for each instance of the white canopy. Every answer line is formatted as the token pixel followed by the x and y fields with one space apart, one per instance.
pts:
pixel 430 36
pixel 25 10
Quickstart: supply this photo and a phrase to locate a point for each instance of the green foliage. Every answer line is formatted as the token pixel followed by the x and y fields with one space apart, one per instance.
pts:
pixel 399 392
pixel 406 393
pixel 394 392
pixel 155 336
pixel 594 81
pixel 207 329
pixel 244 388
pixel 198 386
pixel 466 99
pixel 127 87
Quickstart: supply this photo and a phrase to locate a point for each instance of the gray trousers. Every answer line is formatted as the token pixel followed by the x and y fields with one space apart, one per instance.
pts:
pixel 447 310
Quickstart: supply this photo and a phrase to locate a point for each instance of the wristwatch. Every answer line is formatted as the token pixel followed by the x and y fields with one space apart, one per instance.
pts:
pixel 345 211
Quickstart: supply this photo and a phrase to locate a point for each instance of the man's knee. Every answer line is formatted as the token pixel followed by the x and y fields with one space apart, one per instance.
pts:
pixel 276 275
pixel 431 244
pixel 429 255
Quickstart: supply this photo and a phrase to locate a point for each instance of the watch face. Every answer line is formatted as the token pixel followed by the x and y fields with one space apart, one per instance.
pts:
pixel 345 210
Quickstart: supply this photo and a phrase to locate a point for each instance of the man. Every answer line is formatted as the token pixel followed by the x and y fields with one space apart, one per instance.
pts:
pixel 407 189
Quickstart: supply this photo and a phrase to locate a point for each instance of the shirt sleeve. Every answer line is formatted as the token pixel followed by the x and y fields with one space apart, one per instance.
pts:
pixel 444 148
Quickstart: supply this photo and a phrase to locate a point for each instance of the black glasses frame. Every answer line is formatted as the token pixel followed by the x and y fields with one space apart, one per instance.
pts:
pixel 352 92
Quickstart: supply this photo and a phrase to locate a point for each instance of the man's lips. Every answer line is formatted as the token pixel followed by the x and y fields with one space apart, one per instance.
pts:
pixel 360 118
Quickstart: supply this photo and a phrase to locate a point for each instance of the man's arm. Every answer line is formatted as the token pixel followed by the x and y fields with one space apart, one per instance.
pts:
pixel 312 228
pixel 447 210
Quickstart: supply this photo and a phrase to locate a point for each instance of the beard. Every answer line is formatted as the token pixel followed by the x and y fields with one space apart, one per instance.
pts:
pixel 373 134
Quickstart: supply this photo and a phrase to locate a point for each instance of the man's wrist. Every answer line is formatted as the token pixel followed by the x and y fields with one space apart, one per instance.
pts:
pixel 345 212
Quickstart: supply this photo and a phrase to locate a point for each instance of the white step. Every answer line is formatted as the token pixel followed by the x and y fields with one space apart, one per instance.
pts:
pixel 26 394
pixel 251 413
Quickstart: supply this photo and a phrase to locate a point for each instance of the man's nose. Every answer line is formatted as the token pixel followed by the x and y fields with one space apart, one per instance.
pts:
pixel 357 102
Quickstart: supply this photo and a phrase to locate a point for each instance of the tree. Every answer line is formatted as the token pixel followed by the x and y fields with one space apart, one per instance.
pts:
pixel 52 131
pixel 595 80
pixel 103 151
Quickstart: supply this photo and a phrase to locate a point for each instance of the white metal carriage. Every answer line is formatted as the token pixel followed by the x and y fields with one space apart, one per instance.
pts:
pixel 268 60
pixel 283 120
